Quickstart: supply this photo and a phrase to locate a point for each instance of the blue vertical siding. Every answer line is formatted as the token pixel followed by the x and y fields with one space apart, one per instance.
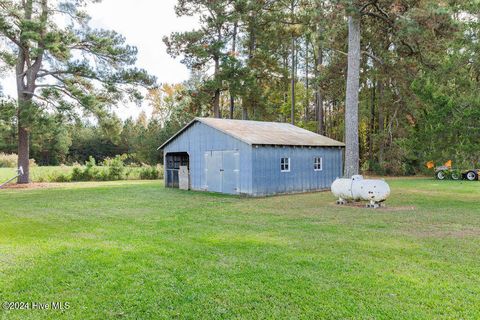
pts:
pixel 268 178
pixel 200 138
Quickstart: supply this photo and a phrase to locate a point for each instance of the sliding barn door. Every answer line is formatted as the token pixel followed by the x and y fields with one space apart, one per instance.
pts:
pixel 222 171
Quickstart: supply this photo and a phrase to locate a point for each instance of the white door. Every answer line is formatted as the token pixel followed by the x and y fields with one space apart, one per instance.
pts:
pixel 222 171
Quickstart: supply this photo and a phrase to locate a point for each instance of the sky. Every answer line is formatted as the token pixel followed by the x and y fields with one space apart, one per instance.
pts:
pixel 144 23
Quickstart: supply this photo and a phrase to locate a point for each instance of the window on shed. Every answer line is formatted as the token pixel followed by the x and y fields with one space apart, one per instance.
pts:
pixel 318 164
pixel 285 164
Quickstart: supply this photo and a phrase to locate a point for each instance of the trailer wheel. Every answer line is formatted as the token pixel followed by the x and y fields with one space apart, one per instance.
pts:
pixel 440 175
pixel 471 176
pixel 455 176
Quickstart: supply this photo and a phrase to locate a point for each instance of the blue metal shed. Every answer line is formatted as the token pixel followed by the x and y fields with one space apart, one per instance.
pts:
pixel 251 157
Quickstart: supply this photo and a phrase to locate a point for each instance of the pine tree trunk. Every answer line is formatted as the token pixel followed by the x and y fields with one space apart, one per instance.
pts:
pixel 319 105
pixel 232 105
pixel 244 113
pixel 371 131
pixel 307 82
pixel 251 54
pixel 216 104
pixel 216 98
pixel 320 115
pixel 332 110
pixel 351 104
pixel 23 101
pixel 381 124
pixel 292 110
pixel 234 49
pixel 23 154
pixel 320 112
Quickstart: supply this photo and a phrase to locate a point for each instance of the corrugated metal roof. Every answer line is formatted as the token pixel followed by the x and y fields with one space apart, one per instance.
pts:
pixel 265 133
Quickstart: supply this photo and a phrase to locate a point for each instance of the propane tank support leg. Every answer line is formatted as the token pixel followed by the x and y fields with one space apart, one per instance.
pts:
pixel 374 205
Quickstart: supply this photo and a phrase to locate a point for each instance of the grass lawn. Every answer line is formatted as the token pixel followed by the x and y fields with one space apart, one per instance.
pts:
pixel 134 250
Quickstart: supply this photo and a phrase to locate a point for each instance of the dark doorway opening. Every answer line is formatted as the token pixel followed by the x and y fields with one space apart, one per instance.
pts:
pixel 173 161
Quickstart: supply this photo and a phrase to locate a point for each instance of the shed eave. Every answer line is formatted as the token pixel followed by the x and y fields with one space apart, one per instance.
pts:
pixel 339 145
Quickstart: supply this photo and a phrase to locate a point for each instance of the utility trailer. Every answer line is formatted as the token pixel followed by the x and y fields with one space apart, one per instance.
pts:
pixel 447 172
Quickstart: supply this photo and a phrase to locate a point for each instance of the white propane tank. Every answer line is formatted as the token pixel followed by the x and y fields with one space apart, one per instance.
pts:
pixel 357 188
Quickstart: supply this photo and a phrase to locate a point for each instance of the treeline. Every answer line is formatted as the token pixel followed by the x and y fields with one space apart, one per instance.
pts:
pixel 56 142
pixel 59 140
pixel 286 60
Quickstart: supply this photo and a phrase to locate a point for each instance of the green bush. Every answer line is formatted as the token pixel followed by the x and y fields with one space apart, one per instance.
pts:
pixel 116 167
pixel 110 170
pixel 62 177
pixel 8 160
pixel 89 172
pixel 149 173
pixel 77 174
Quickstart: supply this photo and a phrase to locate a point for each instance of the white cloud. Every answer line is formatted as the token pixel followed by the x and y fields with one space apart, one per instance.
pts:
pixel 144 23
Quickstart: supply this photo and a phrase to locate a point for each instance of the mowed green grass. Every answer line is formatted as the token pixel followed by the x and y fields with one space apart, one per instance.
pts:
pixel 135 250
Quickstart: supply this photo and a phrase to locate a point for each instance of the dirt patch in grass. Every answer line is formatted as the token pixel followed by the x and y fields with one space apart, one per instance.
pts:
pixel 32 186
pixel 384 207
